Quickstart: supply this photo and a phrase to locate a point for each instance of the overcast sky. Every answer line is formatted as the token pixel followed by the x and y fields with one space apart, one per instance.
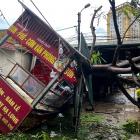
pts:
pixel 60 13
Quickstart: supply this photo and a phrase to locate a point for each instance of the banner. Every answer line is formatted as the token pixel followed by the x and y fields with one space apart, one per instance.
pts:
pixel 13 109
pixel 42 41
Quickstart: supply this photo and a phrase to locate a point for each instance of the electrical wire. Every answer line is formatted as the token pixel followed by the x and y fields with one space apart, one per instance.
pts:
pixel 66 28
pixel 4 18
pixel 41 13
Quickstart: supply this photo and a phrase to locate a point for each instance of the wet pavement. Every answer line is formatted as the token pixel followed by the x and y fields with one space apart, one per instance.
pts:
pixel 119 105
pixel 117 109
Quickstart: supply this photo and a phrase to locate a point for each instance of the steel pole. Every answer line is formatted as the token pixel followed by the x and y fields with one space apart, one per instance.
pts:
pixel 79 34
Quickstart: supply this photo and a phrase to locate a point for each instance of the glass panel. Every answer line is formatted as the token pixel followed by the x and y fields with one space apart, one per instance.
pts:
pixel 19 75
pixel 32 87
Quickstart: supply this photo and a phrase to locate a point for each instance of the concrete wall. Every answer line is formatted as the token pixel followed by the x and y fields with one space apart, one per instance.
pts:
pixel 18 56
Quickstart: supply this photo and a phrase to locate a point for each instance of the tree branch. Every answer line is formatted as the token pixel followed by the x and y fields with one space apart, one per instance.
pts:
pixel 130 27
pixel 125 63
pixel 92 27
pixel 126 93
pixel 114 69
pixel 119 43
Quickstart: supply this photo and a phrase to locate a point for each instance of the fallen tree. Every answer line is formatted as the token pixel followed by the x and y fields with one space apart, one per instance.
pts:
pixel 128 66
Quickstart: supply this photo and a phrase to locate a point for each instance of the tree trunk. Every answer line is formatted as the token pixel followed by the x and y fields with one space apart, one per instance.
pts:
pixel 127 94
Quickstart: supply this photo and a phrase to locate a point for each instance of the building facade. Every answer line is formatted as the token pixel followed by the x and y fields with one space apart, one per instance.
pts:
pixel 125 16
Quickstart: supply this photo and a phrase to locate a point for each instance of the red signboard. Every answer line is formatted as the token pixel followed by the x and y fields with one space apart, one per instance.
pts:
pixel 41 41
pixel 13 109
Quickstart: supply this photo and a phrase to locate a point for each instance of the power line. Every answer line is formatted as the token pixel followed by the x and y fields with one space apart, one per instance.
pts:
pixel 41 13
pixel 66 28
pixel 4 17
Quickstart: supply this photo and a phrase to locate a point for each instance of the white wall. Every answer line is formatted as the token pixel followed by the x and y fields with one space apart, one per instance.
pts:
pixel 6 56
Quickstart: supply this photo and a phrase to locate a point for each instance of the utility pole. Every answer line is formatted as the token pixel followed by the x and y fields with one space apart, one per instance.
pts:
pixel 79 24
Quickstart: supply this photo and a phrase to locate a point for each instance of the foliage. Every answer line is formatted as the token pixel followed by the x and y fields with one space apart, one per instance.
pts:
pixel 132 126
pixel 37 136
pixel 134 3
pixel 94 126
pixel 90 117
pixel 96 58
pixel 18 136
pixel 91 125
pixel 44 131
pixel 86 120
pixel 130 9
pixel 83 132
pixel 138 93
